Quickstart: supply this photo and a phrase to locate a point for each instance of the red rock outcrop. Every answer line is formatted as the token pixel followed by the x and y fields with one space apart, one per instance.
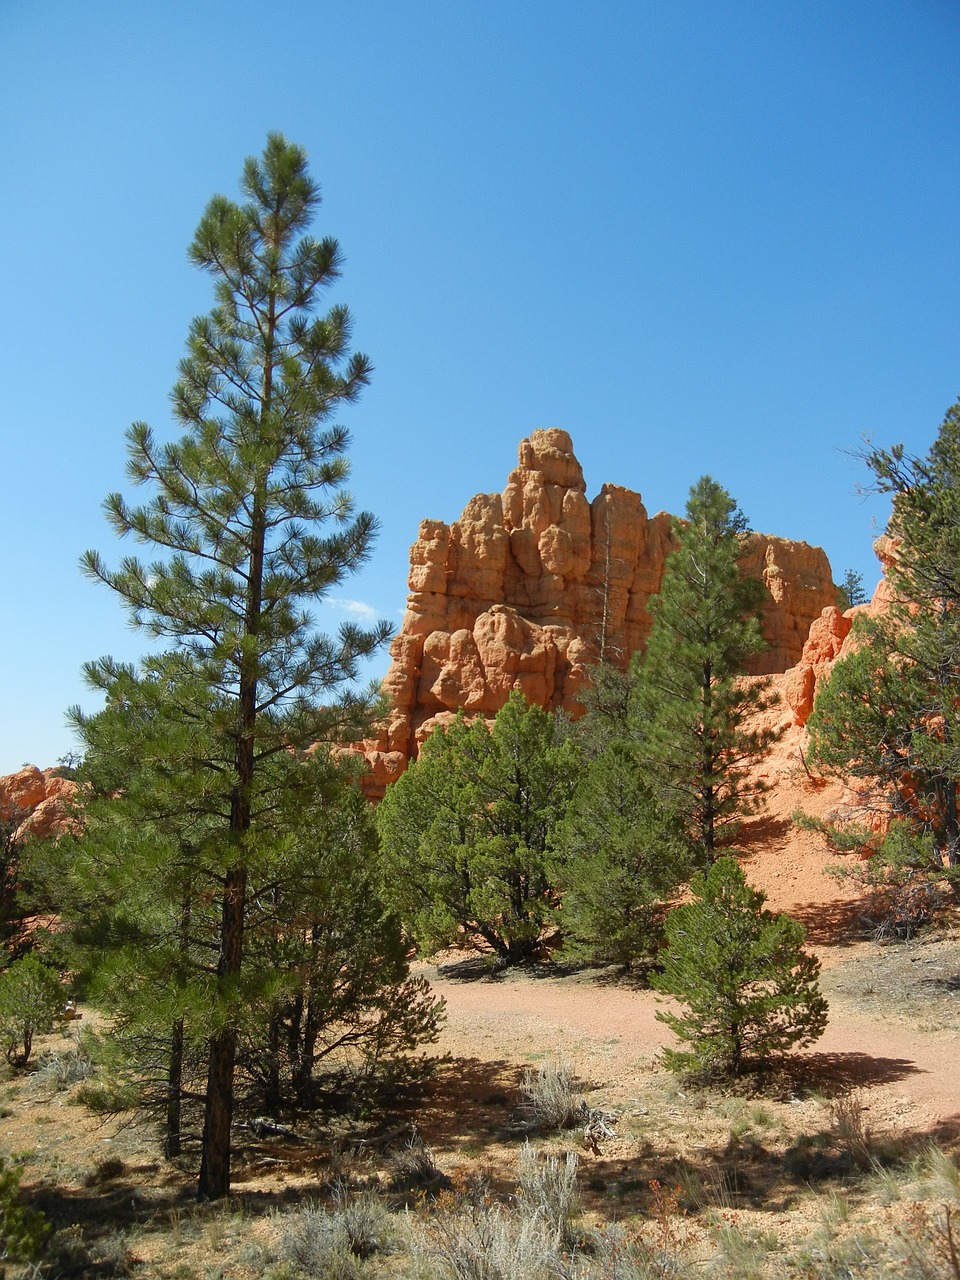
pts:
pixel 531 586
pixel 21 792
pixel 831 637
pixel 38 801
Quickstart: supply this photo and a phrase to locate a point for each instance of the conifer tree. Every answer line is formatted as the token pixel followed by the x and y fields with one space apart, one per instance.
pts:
pixel 890 713
pixel 749 988
pixel 851 591
pixel 617 858
pixel 13 939
pixel 465 832
pixel 251 523
pixel 324 966
pixel 691 706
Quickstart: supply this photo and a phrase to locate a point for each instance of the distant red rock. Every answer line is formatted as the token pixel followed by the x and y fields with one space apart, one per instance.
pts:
pixel 38 801
pixel 530 587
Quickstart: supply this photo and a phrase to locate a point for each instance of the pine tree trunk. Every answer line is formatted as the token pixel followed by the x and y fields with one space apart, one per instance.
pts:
pixel 948 787
pixel 274 1092
pixel 707 763
pixel 171 1145
pixel 214 1180
pixel 218 1112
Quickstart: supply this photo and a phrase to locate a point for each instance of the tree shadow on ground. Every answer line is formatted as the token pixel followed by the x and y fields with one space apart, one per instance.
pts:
pixel 741 1174
pixel 950 984
pixel 765 832
pixel 471 1101
pixel 481 968
pixel 749 1170
pixel 832 924
pixel 834 1073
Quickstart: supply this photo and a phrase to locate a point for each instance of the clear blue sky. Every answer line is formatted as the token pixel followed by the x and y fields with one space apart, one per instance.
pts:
pixel 702 236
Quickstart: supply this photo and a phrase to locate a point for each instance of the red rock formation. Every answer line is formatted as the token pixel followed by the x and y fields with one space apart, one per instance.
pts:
pixel 530 587
pixel 831 638
pixel 38 801
pixel 21 792
pixel 823 647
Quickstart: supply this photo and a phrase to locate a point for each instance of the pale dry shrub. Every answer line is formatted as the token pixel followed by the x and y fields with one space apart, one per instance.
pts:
pixel 332 1242
pixel 487 1241
pixel 310 1241
pixel 548 1190
pixel 549 1095
pixel 58 1071
pixel 363 1220
pixel 613 1254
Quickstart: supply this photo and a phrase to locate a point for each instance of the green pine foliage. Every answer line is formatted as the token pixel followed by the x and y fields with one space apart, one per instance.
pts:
pixel 618 858
pixel 341 1001
pixel 250 523
pixel 692 707
pixel 13 939
pixel 890 712
pixel 465 832
pixel 325 983
pixel 749 989
pixel 903 880
pixel 23 1231
pixel 868 718
pixel 31 997
pixel 851 591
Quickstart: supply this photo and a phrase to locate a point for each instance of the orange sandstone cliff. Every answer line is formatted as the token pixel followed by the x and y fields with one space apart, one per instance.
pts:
pixel 531 586
pixel 37 801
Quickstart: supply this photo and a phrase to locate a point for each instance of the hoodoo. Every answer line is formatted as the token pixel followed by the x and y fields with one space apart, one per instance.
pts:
pixel 531 586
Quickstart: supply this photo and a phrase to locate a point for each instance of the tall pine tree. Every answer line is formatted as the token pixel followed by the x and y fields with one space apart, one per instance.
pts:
pixel 890 713
pixel 693 708
pixel 236 514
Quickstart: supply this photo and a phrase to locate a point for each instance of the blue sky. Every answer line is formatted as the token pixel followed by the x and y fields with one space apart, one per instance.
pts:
pixel 702 237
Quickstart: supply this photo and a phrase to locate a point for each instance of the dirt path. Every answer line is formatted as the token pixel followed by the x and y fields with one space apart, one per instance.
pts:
pixel 904 1067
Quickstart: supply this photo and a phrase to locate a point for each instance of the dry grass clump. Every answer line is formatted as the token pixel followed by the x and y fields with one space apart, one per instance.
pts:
pixel 938 1174
pixel 414 1169
pixel 58 1070
pixel 850 1128
pixel 548 1190
pixel 333 1242
pixel 549 1096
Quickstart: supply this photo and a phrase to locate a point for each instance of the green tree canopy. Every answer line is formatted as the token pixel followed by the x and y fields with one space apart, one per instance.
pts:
pixel 691 705
pixel 617 858
pixel 890 712
pixel 465 832
pixel 251 523
pixel 749 989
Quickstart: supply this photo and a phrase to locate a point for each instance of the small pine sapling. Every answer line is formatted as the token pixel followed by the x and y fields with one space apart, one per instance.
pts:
pixel 749 988
pixel 31 997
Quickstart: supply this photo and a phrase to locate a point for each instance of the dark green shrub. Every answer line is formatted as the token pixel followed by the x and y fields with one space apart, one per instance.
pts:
pixel 749 988
pixel 23 1231
pixel 30 999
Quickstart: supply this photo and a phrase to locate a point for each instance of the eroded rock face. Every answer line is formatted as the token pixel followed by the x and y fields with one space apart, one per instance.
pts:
pixel 38 801
pixel 531 586
pixel 21 792
pixel 831 637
